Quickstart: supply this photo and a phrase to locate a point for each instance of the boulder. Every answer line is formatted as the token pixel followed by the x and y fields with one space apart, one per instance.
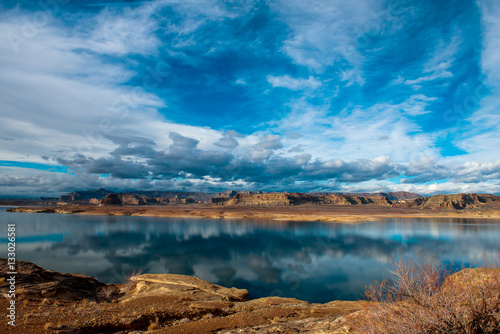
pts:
pixel 33 281
pixel 158 284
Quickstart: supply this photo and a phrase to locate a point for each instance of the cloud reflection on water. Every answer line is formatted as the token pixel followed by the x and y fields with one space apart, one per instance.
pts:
pixel 318 262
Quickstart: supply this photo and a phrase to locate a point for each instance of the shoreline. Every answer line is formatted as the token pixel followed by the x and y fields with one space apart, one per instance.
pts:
pixel 306 213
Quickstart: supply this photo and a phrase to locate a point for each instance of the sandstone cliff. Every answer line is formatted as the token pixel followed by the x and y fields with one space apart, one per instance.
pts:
pixel 134 200
pixel 111 199
pixel 94 201
pixel 131 199
pixel 285 199
pixel 85 195
pixel 392 196
pixel 244 197
pixel 454 202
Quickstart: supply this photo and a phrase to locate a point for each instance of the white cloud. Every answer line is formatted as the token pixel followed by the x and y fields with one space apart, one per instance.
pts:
pixel 416 105
pixel 57 99
pixel 357 132
pixel 324 32
pixel 443 55
pixel 352 76
pixel 124 30
pixel 490 56
pixel 476 172
pixel 432 77
pixel 438 64
pixel 478 134
pixel 289 82
pixel 450 187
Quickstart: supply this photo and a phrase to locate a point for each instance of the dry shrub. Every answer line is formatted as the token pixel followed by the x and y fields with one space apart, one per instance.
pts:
pixel 423 297
pixel 128 282
pixel 108 292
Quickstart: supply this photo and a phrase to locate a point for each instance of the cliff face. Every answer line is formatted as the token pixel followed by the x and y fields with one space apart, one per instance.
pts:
pixel 94 201
pixel 232 197
pixel 392 196
pixel 401 196
pixel 460 201
pixel 453 202
pixel 241 198
pixel 131 200
pixel 274 199
pixel 412 204
pixel 85 195
pixel 441 202
pixel 283 199
pixel 111 199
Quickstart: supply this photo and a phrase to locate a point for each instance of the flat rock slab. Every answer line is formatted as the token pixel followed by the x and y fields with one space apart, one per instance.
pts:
pixel 152 283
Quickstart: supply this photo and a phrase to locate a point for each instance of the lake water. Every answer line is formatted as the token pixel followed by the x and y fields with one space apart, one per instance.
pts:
pixel 312 261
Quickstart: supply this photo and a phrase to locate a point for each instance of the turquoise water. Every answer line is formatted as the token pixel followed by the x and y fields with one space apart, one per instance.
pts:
pixel 312 261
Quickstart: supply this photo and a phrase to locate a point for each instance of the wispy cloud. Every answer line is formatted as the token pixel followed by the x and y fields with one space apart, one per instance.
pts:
pixel 124 31
pixel 287 81
pixel 324 32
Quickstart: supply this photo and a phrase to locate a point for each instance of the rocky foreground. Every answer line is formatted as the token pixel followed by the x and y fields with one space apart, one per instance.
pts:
pixel 52 302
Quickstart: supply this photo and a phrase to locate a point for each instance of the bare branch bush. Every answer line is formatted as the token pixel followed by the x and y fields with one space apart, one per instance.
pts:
pixel 108 292
pixel 128 281
pixel 423 297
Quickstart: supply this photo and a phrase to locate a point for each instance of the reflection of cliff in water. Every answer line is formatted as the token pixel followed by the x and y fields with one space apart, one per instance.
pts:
pixel 313 261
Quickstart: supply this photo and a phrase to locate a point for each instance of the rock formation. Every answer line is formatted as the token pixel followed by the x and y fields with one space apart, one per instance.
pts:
pixel 131 199
pixel 459 202
pixel 94 201
pixel 285 199
pixel 66 303
pixel 52 302
pixel 151 284
pixel 232 197
pixel 391 196
pixel 110 199
pixel 453 202
pixel 85 195
pixel 33 281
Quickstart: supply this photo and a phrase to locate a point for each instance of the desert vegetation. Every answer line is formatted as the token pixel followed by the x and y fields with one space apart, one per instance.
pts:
pixel 423 296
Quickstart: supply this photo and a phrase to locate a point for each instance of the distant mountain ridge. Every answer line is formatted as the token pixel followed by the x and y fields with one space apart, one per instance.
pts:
pixel 399 199
pixel 85 195
pixel 284 199
pixel 145 196
pixel 392 196
pixel 453 202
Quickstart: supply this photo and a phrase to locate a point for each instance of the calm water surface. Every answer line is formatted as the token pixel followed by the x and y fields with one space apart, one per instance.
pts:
pixel 313 261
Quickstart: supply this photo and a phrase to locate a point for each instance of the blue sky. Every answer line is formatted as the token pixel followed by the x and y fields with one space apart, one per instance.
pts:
pixel 347 95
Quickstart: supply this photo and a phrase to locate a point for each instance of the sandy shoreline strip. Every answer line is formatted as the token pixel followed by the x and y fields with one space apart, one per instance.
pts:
pixel 297 213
